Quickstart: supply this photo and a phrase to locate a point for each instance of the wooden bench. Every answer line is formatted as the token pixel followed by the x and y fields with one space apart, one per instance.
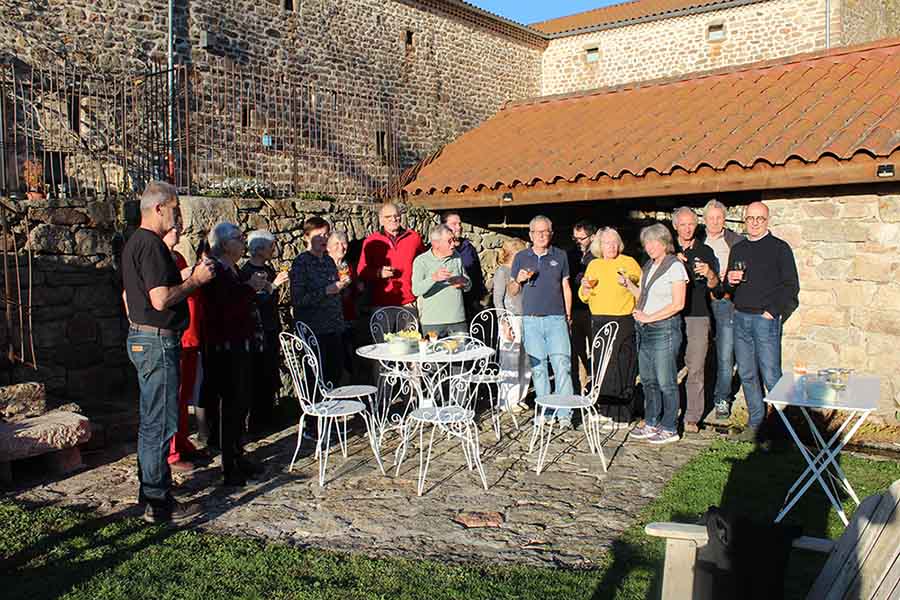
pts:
pixel 864 564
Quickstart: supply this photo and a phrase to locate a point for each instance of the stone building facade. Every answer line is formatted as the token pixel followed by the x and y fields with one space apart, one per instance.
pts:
pixel 868 20
pixel 678 45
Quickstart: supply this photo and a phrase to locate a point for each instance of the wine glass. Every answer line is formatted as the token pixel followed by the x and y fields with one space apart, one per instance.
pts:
pixel 740 265
pixel 697 262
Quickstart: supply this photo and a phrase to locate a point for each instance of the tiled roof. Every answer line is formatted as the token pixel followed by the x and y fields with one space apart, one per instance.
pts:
pixel 837 103
pixel 627 11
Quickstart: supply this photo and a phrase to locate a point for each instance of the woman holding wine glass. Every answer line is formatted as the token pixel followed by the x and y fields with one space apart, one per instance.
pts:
pixel 610 301
pixel 316 291
pixel 337 250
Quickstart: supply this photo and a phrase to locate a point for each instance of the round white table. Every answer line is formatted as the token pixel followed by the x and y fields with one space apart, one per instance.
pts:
pixel 412 375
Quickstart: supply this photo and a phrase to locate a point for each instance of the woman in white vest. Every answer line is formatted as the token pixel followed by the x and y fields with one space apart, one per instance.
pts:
pixel 660 299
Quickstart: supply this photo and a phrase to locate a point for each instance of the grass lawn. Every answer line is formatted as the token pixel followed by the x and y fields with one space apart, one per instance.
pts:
pixel 50 552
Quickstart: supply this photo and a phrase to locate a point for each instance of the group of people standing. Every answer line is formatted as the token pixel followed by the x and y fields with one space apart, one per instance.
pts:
pixel 208 333
pixel 736 290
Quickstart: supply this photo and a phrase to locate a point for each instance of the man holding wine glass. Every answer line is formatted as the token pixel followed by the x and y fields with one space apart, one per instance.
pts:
pixel 700 262
pixel 762 278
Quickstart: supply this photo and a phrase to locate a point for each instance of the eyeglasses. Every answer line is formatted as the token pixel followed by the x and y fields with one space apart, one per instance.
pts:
pixel 541 231
pixel 581 239
pixel 756 220
pixel 391 217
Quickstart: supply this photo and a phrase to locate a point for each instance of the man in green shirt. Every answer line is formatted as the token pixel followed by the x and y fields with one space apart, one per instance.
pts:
pixel 438 280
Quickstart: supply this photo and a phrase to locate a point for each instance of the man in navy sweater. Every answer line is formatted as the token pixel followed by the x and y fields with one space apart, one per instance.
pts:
pixel 762 278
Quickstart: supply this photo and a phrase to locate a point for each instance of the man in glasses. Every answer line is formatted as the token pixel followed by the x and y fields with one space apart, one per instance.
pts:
pixel 762 278
pixel 386 262
pixel 579 258
pixel 541 274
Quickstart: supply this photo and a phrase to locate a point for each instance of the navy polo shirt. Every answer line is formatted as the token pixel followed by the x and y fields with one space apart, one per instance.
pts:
pixel 542 294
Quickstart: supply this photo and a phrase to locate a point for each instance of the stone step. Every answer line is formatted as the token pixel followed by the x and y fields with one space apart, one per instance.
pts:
pixel 57 434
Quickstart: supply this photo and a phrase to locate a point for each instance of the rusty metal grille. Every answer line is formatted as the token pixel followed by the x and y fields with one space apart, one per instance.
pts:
pixel 89 134
pixel 287 136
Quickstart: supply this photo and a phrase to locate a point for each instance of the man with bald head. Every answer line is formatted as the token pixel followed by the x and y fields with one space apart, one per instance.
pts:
pixel 762 278
pixel 157 308
pixel 387 257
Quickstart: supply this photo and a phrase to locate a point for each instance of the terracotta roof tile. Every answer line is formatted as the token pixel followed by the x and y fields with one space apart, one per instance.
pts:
pixel 836 103
pixel 618 13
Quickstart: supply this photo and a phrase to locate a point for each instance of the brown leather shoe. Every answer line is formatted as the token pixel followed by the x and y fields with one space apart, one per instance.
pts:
pixel 691 428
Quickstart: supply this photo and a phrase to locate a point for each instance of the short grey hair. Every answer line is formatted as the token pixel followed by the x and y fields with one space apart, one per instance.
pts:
pixel 597 242
pixel 681 210
pixel 715 204
pixel 540 219
pixel 658 233
pixel 341 235
pixel 259 240
pixel 219 235
pixel 157 193
pixel 439 231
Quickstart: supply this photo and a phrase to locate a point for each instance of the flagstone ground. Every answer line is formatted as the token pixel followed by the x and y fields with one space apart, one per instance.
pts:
pixel 569 515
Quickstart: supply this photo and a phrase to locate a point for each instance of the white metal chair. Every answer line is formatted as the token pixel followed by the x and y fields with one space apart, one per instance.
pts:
pixel 390 377
pixel 449 411
pixel 489 327
pixel 391 319
pixel 542 428
pixel 327 405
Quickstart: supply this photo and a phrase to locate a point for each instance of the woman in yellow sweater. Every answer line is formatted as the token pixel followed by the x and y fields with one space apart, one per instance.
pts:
pixel 610 301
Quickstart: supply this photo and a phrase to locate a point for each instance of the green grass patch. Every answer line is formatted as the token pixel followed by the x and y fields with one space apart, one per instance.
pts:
pixel 52 552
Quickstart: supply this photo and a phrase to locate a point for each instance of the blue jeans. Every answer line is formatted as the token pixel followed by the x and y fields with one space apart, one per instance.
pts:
pixel 548 338
pixel 156 359
pixel 757 348
pixel 723 313
pixel 658 347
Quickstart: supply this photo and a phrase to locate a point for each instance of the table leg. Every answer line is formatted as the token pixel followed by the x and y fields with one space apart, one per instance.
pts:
pixel 841 477
pixel 817 470
pixel 820 443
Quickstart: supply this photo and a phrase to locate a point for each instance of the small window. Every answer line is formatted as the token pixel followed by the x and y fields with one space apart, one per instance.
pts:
pixel 246 115
pixel 592 55
pixel 290 5
pixel 409 40
pixel 73 111
pixel 381 144
pixel 716 32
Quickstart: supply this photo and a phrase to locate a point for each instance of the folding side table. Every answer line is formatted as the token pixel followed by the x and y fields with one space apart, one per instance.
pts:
pixel 857 401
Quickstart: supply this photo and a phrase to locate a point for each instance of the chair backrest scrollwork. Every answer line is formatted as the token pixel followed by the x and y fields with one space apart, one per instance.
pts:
pixel 303 365
pixel 391 319
pixel 599 354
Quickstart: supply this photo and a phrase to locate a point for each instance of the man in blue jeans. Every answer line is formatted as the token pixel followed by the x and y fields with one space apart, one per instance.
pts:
pixel 541 274
pixel 721 240
pixel 156 304
pixel 762 276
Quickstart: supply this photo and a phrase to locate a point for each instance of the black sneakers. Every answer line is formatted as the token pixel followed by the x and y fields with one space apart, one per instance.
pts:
pixel 171 511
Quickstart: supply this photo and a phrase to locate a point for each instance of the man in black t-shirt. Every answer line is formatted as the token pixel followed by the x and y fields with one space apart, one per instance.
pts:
pixel 700 262
pixel 157 308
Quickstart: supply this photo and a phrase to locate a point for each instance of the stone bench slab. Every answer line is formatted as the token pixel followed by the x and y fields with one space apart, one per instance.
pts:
pixel 50 432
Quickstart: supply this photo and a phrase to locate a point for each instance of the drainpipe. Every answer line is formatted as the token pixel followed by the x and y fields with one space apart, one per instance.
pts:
pixel 827 24
pixel 170 143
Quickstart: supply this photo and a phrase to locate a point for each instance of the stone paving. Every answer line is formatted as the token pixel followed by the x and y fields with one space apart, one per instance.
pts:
pixel 568 515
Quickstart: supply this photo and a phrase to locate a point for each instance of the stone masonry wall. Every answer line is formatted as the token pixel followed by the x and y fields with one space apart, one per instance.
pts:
pixel 868 20
pixel 676 46
pixel 847 246
pixel 451 77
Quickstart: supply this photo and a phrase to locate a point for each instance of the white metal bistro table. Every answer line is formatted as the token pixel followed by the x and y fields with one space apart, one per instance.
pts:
pixel 415 374
pixel 858 400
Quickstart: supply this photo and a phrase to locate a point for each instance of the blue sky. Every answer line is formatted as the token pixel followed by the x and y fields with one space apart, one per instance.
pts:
pixel 531 11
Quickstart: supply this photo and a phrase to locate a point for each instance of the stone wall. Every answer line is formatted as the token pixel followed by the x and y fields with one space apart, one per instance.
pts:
pixel 847 246
pixel 76 311
pixel 869 20
pixel 676 46
pixel 442 75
